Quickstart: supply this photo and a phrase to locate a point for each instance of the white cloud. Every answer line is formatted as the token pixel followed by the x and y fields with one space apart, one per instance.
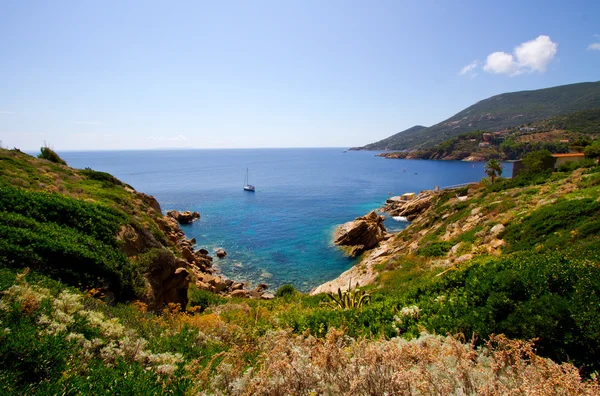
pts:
pixel 534 55
pixel 469 68
pixel 6 112
pixel 594 46
pixel 500 63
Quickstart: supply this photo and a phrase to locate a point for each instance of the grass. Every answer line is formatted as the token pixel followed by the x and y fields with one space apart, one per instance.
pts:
pixel 54 338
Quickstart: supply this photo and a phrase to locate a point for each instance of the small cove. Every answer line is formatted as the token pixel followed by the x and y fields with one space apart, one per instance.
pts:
pixel 282 232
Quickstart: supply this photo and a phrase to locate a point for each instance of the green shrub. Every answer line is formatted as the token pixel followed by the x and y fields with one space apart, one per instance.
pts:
pixel 285 290
pixel 434 249
pixel 571 166
pixel 65 238
pixel 101 176
pixel 555 225
pixel 552 296
pixel 48 154
pixel 203 298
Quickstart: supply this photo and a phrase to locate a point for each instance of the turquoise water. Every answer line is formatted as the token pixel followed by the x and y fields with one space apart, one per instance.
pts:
pixel 282 232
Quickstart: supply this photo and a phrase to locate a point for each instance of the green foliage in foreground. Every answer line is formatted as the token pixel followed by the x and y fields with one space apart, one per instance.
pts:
pixel 553 296
pixel 65 238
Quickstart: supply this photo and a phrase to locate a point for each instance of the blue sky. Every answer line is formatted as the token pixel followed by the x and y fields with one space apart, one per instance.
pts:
pixel 85 75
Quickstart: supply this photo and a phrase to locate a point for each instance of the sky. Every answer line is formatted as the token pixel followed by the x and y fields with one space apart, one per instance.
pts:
pixel 110 75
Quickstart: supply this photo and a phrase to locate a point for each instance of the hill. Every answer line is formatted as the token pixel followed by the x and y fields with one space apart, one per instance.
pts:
pixel 560 134
pixel 391 142
pixel 509 275
pixel 497 113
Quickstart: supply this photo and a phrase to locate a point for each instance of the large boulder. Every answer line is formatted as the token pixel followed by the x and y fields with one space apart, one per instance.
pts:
pixel 361 234
pixel 221 253
pixel 168 280
pixel 183 217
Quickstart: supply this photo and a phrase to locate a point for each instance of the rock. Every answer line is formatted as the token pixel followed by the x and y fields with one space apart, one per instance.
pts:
pixel 475 211
pixel 261 287
pixel 237 286
pixel 367 231
pixel 168 281
pixel 496 243
pixel 188 255
pixel 202 286
pixel 497 229
pixel 183 217
pixel 413 208
pixel 220 253
pixel 455 248
pixel 254 294
pixel 203 252
pixel 238 293
pixel 464 258
pixel 150 201
pixel 192 241
pixel 356 250
pixel 267 296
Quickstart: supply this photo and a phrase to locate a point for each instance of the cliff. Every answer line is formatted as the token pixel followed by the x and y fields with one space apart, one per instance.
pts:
pixel 92 231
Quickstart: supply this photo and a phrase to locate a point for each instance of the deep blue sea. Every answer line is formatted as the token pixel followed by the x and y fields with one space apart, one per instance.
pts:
pixel 281 233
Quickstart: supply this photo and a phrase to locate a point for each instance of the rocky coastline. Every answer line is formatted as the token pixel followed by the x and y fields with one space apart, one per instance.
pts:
pixel 367 235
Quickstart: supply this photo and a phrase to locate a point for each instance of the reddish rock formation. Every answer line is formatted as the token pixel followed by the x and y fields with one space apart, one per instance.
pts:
pixel 361 234
pixel 183 217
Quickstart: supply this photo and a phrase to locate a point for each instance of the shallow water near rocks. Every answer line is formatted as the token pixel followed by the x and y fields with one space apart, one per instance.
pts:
pixel 282 232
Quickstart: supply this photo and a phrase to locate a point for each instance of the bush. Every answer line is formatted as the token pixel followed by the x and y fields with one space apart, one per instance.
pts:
pixel 434 249
pixel 555 225
pixel 101 176
pixel 285 290
pixel 203 298
pixel 65 238
pixel 538 162
pixel 552 296
pixel 48 154
pixel 571 166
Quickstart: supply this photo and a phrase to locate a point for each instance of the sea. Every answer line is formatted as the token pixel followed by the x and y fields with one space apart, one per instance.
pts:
pixel 281 233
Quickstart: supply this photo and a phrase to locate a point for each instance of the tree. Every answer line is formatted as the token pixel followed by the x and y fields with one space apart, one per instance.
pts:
pixel 593 151
pixel 493 168
pixel 48 154
pixel 538 162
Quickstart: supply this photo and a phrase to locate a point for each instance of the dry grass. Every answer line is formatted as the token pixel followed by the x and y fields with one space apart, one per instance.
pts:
pixel 430 365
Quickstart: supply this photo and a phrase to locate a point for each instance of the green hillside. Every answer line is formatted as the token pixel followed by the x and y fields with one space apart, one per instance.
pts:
pixel 497 293
pixel 498 113
pixel 560 134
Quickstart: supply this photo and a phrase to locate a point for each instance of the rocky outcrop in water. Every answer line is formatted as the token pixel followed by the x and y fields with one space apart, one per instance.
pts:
pixel 183 217
pixel 409 209
pixel 362 234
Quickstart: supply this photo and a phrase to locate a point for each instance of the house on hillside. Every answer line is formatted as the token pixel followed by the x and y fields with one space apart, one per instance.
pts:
pixel 560 159
pixel 484 144
pixel 487 136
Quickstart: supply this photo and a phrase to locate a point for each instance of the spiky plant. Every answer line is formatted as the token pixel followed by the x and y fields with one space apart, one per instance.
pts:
pixel 351 298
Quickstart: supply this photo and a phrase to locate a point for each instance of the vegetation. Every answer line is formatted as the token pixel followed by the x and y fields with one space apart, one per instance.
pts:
pixel 504 111
pixel 351 298
pixel 506 279
pixel 493 168
pixel 48 154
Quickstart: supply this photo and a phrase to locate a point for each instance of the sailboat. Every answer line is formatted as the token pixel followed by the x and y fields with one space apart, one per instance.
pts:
pixel 247 186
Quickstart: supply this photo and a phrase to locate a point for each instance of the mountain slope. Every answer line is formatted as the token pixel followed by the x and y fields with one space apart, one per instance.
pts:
pixel 497 113
pixel 392 141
